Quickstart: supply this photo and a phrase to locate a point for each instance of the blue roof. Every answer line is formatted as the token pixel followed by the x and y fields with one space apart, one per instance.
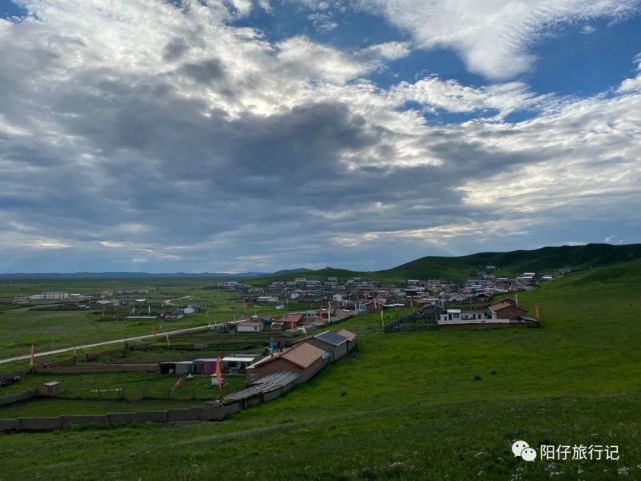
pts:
pixel 331 338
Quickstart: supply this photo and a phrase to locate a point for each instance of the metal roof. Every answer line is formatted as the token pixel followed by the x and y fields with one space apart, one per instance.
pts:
pixel 331 338
pixel 238 359
pixel 265 384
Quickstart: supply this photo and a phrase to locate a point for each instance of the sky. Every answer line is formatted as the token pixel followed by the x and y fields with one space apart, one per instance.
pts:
pixel 257 135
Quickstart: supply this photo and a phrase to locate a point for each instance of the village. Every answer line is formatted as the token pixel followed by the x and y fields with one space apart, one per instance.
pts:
pixel 280 334
pixel 309 303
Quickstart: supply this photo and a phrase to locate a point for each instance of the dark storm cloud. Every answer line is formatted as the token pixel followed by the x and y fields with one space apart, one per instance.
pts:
pixel 205 72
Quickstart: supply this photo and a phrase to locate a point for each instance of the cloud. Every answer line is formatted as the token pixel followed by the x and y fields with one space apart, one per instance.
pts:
pixel 575 243
pixel 493 38
pixel 448 95
pixel 634 83
pixel 587 29
pixel 139 130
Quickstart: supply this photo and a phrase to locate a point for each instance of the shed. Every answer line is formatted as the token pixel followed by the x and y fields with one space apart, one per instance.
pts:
pixel 184 367
pixel 205 366
pixel 331 342
pixel 249 326
pixel 238 362
pixel 167 368
pixel 350 336
pixel 50 389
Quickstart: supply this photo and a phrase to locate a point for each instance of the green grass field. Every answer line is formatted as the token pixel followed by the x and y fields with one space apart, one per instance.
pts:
pixel 102 393
pixel 413 405
pixel 20 327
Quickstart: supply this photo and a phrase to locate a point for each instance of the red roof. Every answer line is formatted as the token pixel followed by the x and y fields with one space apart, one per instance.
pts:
pixel 303 355
pixel 504 305
pixel 292 318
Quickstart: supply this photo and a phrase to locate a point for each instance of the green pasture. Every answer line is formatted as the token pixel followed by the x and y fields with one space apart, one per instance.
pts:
pixel 435 405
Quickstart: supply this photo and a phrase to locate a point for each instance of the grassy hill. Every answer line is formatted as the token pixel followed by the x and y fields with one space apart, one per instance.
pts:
pixel 412 406
pixel 511 263
pixel 546 259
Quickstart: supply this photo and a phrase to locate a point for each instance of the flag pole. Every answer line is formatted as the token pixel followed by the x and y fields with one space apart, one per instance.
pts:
pixel 32 357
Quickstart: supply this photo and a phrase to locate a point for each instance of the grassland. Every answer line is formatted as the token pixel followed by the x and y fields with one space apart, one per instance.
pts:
pixel 413 405
pixel 49 329
pixel 546 259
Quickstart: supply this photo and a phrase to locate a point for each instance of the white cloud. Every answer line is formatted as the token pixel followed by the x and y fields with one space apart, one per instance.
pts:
pixel 441 234
pixel 451 96
pixel 132 129
pixel 575 243
pixel 493 37
pixel 634 83
pixel 588 29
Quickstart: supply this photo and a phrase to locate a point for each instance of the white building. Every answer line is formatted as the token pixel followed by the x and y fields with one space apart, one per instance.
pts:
pixel 50 295
pixel 458 316
pixel 266 299
pixel 249 326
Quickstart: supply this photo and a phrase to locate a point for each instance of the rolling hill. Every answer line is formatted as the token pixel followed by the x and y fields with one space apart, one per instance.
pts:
pixel 546 259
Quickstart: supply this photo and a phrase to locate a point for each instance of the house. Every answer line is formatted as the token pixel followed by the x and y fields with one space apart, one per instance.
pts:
pixel 331 342
pixel 238 362
pixel 249 326
pixel 51 295
pixel 460 316
pixel 288 321
pixel 483 297
pixel 507 309
pixel 304 359
pixel 266 299
pixel 101 304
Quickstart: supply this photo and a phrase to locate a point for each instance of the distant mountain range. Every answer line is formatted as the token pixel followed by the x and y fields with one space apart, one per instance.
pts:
pixel 544 260
pixel 149 275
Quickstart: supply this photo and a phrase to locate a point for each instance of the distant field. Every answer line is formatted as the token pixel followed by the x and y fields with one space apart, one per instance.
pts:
pixel 49 329
pixel 413 406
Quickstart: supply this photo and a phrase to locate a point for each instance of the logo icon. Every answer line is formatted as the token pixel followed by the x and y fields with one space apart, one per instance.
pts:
pixel 523 450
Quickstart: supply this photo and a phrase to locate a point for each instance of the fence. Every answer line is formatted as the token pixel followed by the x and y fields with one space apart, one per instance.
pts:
pixel 204 413
pixel 17 397
pixel 97 368
pixel 416 321
pixel 211 411
pixel 265 390
pixel 137 394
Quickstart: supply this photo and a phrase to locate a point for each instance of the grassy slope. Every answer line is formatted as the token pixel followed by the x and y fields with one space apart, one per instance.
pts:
pixel 511 263
pixel 408 407
pixel 515 262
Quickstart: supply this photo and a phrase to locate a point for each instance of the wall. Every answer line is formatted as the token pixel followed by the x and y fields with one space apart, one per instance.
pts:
pixel 97 368
pixel 206 413
pixel 210 411
pixel 17 397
